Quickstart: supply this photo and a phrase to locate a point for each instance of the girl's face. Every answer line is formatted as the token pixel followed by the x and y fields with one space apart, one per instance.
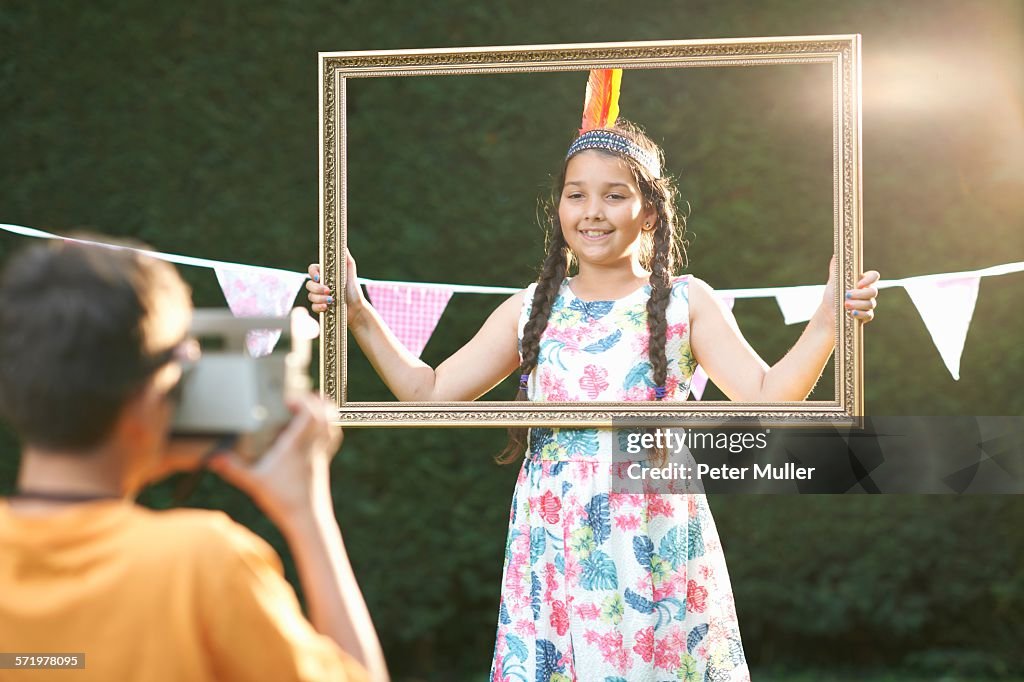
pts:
pixel 601 210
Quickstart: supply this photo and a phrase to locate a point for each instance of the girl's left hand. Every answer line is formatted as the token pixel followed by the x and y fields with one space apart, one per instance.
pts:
pixel 859 302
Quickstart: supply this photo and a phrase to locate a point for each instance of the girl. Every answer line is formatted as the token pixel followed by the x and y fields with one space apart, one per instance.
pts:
pixel 601 586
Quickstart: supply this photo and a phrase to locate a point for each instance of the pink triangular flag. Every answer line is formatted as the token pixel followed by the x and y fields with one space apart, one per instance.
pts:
pixel 699 380
pixel 946 306
pixel 799 303
pixel 259 292
pixel 410 311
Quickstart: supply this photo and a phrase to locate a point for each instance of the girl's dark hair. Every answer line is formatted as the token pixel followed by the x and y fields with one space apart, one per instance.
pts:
pixel 661 252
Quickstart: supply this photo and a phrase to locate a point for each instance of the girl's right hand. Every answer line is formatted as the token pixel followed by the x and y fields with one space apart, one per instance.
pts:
pixel 321 297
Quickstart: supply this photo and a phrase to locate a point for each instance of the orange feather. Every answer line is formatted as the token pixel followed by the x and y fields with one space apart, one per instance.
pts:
pixel 601 108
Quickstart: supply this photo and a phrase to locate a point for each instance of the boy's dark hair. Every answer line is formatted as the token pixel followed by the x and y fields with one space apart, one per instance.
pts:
pixel 74 339
pixel 663 251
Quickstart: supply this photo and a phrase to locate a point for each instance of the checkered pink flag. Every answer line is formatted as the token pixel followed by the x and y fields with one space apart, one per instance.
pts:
pixel 699 380
pixel 259 292
pixel 410 311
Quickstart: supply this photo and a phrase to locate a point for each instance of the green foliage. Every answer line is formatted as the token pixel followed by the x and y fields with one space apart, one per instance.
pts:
pixel 909 580
pixel 193 128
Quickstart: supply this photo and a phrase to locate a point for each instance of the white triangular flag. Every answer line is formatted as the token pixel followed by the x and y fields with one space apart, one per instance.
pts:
pixel 946 306
pixel 699 380
pixel 799 303
pixel 259 292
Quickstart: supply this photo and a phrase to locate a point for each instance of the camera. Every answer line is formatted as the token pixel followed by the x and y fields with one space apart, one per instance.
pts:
pixel 227 392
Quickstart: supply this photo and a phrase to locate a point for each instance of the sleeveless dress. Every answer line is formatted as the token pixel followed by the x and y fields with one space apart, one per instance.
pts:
pixel 600 585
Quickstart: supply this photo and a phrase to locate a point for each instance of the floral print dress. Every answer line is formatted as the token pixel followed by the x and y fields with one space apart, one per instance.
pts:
pixel 598 585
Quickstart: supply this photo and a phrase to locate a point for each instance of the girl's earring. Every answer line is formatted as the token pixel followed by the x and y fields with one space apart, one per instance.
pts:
pixel 647 226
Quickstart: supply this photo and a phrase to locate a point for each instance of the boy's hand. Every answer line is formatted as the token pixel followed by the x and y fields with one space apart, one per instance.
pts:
pixel 293 476
pixel 181 455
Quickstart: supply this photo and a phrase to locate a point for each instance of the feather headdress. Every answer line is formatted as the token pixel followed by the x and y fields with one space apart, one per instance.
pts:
pixel 601 107
pixel 600 112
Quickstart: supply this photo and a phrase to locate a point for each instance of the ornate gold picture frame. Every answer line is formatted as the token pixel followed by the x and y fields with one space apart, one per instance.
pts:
pixel 841 53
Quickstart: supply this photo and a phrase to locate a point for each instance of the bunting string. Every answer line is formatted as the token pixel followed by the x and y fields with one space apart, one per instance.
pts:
pixel 944 300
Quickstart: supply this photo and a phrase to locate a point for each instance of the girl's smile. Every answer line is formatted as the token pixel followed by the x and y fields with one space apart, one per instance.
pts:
pixel 601 210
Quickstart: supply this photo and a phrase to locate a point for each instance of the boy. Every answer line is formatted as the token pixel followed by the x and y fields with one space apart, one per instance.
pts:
pixel 91 343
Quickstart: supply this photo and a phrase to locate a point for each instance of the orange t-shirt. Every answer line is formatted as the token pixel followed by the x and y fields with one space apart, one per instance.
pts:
pixel 154 596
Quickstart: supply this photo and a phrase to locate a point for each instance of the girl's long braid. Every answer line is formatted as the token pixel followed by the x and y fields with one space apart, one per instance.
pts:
pixel 662 262
pixel 661 288
pixel 553 270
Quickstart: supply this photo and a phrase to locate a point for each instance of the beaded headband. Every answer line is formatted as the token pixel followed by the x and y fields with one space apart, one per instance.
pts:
pixel 606 139
pixel 600 111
